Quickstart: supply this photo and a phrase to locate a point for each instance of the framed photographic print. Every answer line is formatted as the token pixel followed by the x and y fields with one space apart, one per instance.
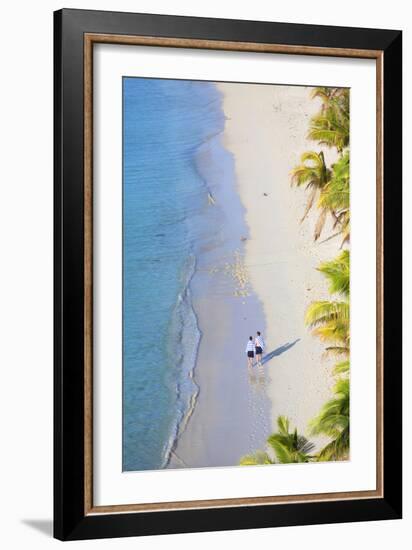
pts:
pixel 227 274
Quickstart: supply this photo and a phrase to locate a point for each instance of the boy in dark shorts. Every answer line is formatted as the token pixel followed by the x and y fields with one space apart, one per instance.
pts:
pixel 250 351
pixel 259 347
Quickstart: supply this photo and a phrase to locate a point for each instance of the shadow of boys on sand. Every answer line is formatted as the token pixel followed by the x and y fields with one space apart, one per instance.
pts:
pixel 279 351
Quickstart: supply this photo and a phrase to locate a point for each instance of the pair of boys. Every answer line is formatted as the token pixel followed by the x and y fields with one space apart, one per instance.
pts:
pixel 255 347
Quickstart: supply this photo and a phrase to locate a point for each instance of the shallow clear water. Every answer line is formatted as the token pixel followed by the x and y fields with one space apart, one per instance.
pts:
pixel 165 123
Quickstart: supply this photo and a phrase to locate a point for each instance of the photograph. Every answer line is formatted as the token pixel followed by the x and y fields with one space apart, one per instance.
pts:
pixel 236 274
pixel 203 275
pixel 227 273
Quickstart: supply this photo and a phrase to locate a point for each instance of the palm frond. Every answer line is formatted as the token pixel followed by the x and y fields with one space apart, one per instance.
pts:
pixel 342 367
pixel 337 272
pixel 255 459
pixel 319 313
pixel 312 171
pixel 333 421
pixel 337 449
pixel 337 351
pixel 289 446
pixel 331 126
pixel 283 425
pixel 334 332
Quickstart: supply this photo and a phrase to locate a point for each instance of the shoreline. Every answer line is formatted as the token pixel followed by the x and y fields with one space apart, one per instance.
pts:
pixel 184 308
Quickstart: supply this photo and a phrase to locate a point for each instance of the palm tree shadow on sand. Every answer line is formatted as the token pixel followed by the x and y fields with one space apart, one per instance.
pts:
pixel 278 351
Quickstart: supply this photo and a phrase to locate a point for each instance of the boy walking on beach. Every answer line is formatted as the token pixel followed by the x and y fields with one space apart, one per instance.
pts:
pixel 250 351
pixel 259 347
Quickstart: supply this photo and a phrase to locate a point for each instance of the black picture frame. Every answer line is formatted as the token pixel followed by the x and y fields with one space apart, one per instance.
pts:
pixel 70 520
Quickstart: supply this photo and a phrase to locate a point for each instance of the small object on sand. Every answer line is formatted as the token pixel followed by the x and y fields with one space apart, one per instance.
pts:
pixel 210 199
pixel 243 239
pixel 265 194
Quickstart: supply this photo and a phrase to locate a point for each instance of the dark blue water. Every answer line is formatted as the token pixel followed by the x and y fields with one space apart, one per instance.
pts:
pixel 165 123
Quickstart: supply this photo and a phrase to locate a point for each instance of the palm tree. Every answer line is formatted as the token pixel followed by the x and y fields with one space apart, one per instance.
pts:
pixel 290 446
pixel 330 322
pixel 256 459
pixel 335 196
pixel 315 175
pixel 330 126
pixel 328 95
pixel 328 130
pixel 333 421
pixel 337 272
pixel 287 447
pixel 328 188
pixel 342 368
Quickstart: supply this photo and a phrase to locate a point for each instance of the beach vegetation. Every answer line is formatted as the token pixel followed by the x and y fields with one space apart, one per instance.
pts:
pixel 328 187
pixel 333 421
pixel 330 126
pixel 312 173
pixel 328 191
pixel 289 446
pixel 335 198
pixel 258 458
pixel 330 320
pixel 286 446
pixel 341 368
pixel 337 271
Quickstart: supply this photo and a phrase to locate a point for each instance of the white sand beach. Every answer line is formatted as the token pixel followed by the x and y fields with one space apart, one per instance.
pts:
pixel 267 287
pixel 267 135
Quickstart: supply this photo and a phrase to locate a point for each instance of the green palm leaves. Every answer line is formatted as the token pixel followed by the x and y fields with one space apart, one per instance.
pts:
pixel 337 272
pixel 341 368
pixel 256 459
pixel 328 187
pixel 289 446
pixel 333 421
pixel 330 126
pixel 335 197
pixel 312 171
pixel 330 320
pixel 336 192
pixel 314 175
pixel 286 446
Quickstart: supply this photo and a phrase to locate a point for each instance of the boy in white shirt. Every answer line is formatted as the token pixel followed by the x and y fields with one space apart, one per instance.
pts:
pixel 259 347
pixel 250 351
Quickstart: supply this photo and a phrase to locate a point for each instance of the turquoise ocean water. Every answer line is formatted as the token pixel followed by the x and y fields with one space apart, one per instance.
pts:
pixel 164 124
